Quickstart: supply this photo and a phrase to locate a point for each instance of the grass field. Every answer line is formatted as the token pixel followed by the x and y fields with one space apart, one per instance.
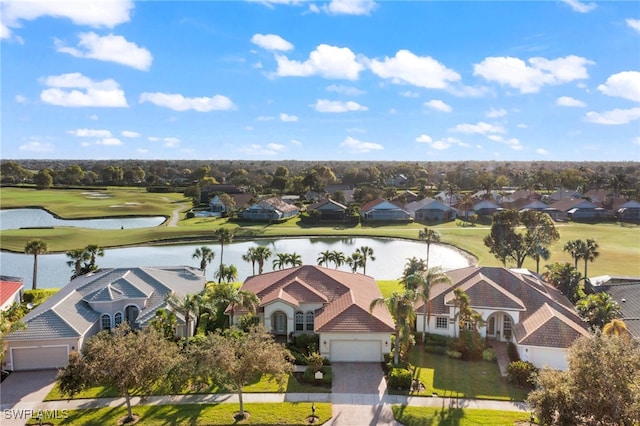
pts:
pixel 619 246
pixel 453 416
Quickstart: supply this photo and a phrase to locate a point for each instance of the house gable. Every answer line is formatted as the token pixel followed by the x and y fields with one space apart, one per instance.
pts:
pixel 548 327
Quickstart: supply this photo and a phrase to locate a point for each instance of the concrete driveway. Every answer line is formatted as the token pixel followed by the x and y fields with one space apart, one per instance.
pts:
pixel 357 395
pixel 23 391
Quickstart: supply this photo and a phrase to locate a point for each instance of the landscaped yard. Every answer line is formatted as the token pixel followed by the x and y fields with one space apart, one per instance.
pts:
pixel 286 413
pixel 449 377
pixel 445 416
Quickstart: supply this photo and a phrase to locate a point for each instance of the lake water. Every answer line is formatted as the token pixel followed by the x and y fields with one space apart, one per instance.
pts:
pixel 391 256
pixel 18 218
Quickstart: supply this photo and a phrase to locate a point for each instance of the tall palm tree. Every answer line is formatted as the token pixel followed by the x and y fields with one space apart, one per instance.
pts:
pixel 76 258
pixel 227 273
pixel 355 261
pixel 366 253
pixel 262 254
pixel 188 305
pixel 461 308
pixel 429 236
pixel 223 235
pixel 338 258
pixel 294 259
pixel 251 256
pixel 540 252
pixel 430 278
pixel 324 258
pixel 35 247
pixel 589 253
pixel 401 307
pixel 281 261
pixel 206 256
pixel 575 248
pixel 231 296
pixel 466 204
pixel 94 251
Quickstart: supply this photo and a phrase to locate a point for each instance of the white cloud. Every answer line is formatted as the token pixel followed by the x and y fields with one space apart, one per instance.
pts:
pixel 514 144
pixel 441 144
pixel 80 12
pixel 542 151
pixel 85 92
pixel 153 138
pixel 171 142
pixel 295 142
pixel 21 99
pixel 410 94
pixel 393 111
pixel 614 117
pixel 142 150
pixel 324 105
pixel 357 146
pixel 420 71
pixel 529 78
pixel 265 118
pixel 90 133
pixel 110 48
pixel 438 105
pixel 345 90
pixel 257 149
pixel 424 139
pixel 624 84
pixel 109 141
pixel 130 134
pixel 5 32
pixel 93 117
pixel 288 118
pixel 495 113
pixel 37 146
pixel 480 128
pixel 326 61
pixel 521 126
pixel 580 7
pixel 177 102
pixel 271 42
pixel 567 101
pixel 276 146
pixel 634 23
pixel 249 128
pixel 349 7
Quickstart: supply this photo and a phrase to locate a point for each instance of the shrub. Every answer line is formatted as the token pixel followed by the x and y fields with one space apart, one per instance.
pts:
pixel 400 378
pixel 315 361
pixel 489 355
pixel 309 376
pixel 190 215
pixel 453 354
pixel 512 352
pixel 470 345
pixel 436 340
pixel 432 349
pixel 521 373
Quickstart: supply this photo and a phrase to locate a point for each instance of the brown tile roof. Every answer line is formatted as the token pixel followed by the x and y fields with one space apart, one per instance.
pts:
pixel 484 293
pixel 548 327
pixel 371 204
pixel 346 297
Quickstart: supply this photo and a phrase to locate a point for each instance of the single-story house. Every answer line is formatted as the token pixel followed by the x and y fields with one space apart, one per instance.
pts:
pixel 383 210
pixel 629 211
pixel 561 194
pixel 240 201
pixel 270 209
pixel 626 292
pixel 485 208
pixel 329 210
pixel 10 291
pixel 404 198
pixel 577 209
pixel 536 205
pixel 430 210
pixel 94 302
pixel 516 305
pixel 331 303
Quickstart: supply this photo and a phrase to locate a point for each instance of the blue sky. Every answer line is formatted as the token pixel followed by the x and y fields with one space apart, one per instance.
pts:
pixel 334 80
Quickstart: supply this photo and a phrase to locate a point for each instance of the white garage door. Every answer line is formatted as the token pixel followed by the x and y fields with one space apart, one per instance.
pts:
pixel 355 351
pixel 40 358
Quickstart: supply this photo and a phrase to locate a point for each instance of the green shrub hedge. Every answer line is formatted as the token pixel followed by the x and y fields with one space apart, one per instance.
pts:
pixel 400 378
pixel 521 373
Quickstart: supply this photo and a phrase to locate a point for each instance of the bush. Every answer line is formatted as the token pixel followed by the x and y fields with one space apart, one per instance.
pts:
pixel 470 345
pixel 432 349
pixel 400 378
pixel 315 361
pixel 309 376
pixel 453 354
pixel 512 352
pixel 190 215
pixel 436 340
pixel 521 373
pixel 489 355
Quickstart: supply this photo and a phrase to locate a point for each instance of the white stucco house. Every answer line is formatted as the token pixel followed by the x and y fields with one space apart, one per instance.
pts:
pixel 94 302
pixel 516 306
pixel 333 304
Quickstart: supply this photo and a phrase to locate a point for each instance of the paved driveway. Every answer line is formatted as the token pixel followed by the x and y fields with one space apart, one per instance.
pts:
pixel 357 393
pixel 23 391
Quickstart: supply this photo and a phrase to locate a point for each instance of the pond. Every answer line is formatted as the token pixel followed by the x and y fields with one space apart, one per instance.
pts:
pixel 38 218
pixel 391 256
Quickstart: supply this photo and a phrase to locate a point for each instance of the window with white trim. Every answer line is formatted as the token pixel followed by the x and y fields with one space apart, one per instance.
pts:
pixel 442 322
pixel 105 321
pixel 117 319
pixel 299 321
pixel 309 324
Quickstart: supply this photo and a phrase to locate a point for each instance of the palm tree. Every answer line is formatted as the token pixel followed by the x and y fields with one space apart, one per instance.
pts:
pixel 187 305
pixel 280 262
pixel 338 258
pixel 366 253
pixel 355 261
pixel 431 277
pixel 619 181
pixel 262 254
pixel 598 309
pixel 462 304
pixel 227 273
pixel 617 327
pixel 401 307
pixel 575 248
pixel 206 256
pixel 590 252
pixel 231 296
pixel 429 236
pixel 35 247
pixel 76 258
pixel 294 259
pixel 94 251
pixel 324 258
pixel 414 266
pixel 223 235
pixel 250 256
pixel 466 204
pixel 540 252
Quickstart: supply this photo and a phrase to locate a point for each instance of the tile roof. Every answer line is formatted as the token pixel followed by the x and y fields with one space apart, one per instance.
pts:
pixel 371 204
pixel 627 294
pixel 8 289
pixel 327 204
pixel 484 293
pixel 548 327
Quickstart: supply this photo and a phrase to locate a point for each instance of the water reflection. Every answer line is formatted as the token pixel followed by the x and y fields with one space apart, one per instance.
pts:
pixel 38 218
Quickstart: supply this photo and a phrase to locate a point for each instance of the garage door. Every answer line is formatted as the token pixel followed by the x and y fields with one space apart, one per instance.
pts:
pixel 40 358
pixel 356 350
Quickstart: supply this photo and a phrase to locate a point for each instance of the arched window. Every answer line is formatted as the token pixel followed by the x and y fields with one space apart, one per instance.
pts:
pixel 117 319
pixel 310 321
pixel 106 322
pixel 299 321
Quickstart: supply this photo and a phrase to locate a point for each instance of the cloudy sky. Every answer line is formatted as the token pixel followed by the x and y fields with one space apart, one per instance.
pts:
pixel 333 80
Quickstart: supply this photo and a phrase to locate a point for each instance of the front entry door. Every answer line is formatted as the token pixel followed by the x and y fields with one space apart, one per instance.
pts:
pixel 281 323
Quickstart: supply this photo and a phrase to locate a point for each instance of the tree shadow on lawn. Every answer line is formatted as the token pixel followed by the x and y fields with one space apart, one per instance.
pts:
pixel 177 414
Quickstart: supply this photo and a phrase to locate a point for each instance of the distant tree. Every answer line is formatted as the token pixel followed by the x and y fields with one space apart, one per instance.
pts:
pixel 129 362
pixel 355 261
pixel 76 259
pixel 565 278
pixel 338 258
pixel 250 256
pixel 600 386
pixel 324 258
pixel 205 255
pixel 598 309
pixel 228 202
pixel 401 307
pixel 429 236
pixel 414 266
pixel 227 273
pixel 262 255
pixel 35 247
pixel 585 250
pixel 590 253
pixel 94 251
pixel 619 182
pixel 193 192
pixel 224 236
pixel 73 174
pixel 43 179
pixel 366 253
pixel 280 262
pixel 294 259
pixel 466 204
pixel 575 248
pixel 233 359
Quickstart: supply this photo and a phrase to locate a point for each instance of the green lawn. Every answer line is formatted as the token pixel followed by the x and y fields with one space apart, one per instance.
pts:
pixel 449 377
pixel 286 413
pixel 445 416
